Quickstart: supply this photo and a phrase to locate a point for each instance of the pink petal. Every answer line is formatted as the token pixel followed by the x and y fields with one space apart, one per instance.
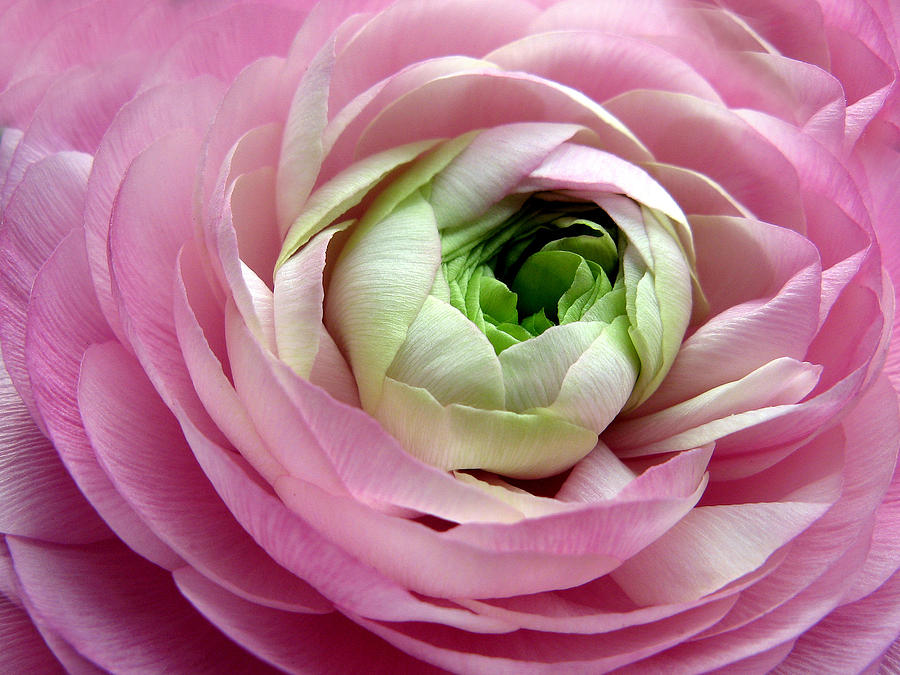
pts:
pixel 837 219
pixel 490 167
pixel 861 51
pixel 694 192
pixel 720 411
pixel 89 31
pixel 64 319
pixel 35 221
pixel 39 498
pixel 540 652
pixel 120 611
pixel 341 578
pixel 573 58
pixel 836 546
pixel 729 540
pixel 257 97
pixel 135 435
pixel 302 148
pixel 199 322
pixel 763 285
pixel 795 29
pixel 619 17
pixel 224 43
pixel 23 648
pixel 482 555
pixel 146 234
pixel 852 636
pixel 881 562
pixel 431 29
pixel 699 135
pixel 256 153
pixel 73 115
pixel 295 643
pixel 797 92
pixel 140 122
pixel 432 111
pixel 332 433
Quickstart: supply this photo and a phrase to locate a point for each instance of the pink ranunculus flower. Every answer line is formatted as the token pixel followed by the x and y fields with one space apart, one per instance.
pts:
pixel 478 335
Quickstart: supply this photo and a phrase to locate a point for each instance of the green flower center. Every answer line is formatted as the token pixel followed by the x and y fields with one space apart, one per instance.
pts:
pixel 551 263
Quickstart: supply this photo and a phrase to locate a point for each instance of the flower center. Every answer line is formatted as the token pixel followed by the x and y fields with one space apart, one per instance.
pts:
pixel 551 263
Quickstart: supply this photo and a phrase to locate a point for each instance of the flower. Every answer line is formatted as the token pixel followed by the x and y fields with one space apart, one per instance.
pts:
pixel 482 335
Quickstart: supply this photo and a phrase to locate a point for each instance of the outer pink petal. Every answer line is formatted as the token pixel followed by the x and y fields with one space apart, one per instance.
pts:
pixel 73 115
pixel 199 322
pixel 135 435
pixel 64 319
pixel 477 560
pixel 871 432
pixel 431 29
pixel 442 108
pixel 797 92
pixel 795 29
pixel 575 57
pixel 882 561
pixel 34 222
pixel 258 96
pixel 851 637
pixel 24 650
pixel 699 135
pixel 222 44
pixel 620 17
pixel 120 611
pixel 537 652
pixel 252 158
pixel 38 499
pixel 151 115
pixel 295 643
pixel 146 234
pixel 344 580
pixel 23 23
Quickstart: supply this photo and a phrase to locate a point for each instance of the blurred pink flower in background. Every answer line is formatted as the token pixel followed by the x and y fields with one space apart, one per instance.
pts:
pixel 253 420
